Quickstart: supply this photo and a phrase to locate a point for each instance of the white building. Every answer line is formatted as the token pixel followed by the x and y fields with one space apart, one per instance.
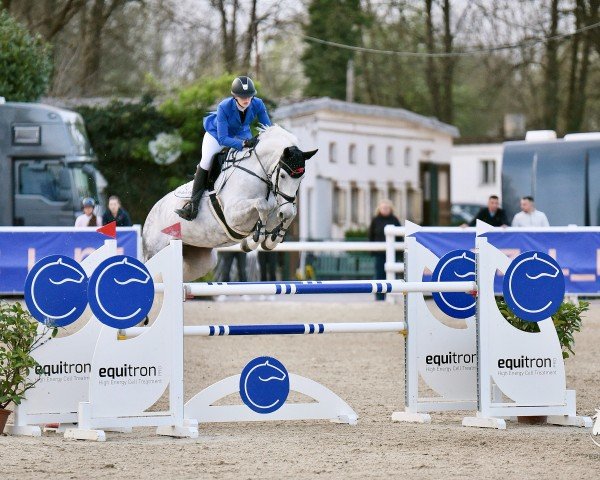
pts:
pixel 476 173
pixel 367 153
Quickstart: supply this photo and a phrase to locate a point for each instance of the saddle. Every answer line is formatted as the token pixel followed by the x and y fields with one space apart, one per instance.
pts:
pixel 216 167
pixel 218 161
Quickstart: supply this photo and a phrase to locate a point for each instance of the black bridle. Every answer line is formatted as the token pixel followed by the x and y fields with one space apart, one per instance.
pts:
pixel 272 186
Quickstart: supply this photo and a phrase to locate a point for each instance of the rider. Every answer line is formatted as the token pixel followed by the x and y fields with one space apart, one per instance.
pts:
pixel 229 126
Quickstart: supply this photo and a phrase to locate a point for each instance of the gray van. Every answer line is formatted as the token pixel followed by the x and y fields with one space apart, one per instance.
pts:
pixel 46 165
pixel 563 175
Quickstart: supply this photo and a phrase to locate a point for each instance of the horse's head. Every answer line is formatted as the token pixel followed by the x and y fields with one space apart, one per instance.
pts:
pixel 289 173
pixel 125 272
pixel 61 272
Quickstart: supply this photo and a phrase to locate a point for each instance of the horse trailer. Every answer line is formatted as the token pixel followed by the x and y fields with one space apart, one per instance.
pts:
pixel 561 174
pixel 47 165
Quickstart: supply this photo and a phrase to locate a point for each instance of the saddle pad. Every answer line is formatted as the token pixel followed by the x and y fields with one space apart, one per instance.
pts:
pixel 184 191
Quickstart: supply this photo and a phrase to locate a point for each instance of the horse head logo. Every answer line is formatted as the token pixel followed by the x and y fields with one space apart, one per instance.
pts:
pixel 534 286
pixel 121 291
pixel 264 385
pixel 55 290
pixel 455 266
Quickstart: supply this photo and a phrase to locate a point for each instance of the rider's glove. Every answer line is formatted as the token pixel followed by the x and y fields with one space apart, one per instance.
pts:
pixel 251 142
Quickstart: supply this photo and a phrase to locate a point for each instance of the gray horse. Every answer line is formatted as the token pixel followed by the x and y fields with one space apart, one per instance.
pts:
pixel 254 202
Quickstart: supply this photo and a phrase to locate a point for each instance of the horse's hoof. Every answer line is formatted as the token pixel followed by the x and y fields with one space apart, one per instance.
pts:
pixel 244 246
pixel 266 247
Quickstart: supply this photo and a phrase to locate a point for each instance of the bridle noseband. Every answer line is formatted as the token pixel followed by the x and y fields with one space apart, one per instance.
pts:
pixel 272 186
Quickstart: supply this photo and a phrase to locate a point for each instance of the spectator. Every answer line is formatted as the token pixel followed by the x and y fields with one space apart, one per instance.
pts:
pixel 115 213
pixel 88 218
pixel 384 215
pixel 492 214
pixel 529 216
pixel 267 262
pixel 227 258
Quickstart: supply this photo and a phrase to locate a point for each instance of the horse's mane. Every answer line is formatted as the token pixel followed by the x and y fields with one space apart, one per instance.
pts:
pixel 274 139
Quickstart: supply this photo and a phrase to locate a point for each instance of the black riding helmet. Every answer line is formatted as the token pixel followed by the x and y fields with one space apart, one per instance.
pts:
pixel 243 87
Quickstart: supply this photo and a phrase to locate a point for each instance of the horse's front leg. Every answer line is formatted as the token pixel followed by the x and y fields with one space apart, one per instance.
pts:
pixel 277 236
pixel 263 207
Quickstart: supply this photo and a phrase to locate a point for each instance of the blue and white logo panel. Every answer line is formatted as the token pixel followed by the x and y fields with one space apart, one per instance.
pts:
pixel 534 286
pixel 56 290
pixel 455 266
pixel 264 385
pixel 121 291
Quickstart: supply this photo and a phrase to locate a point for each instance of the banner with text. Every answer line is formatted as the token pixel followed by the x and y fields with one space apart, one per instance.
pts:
pixel 21 249
pixel 578 252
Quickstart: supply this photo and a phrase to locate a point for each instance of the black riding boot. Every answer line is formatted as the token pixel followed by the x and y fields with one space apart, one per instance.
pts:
pixel 190 209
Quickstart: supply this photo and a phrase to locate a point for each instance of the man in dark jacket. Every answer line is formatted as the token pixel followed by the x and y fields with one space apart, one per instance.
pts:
pixel 115 213
pixel 492 214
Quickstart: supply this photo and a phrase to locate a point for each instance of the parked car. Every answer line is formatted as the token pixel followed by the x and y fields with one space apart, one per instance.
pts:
pixel 464 212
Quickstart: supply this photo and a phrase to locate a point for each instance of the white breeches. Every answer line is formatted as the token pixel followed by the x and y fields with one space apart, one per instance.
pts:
pixel 210 146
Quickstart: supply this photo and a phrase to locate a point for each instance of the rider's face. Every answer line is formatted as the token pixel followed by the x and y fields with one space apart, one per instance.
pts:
pixel 243 102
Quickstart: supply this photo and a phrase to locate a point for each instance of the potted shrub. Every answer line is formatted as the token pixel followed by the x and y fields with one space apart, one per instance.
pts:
pixel 567 321
pixel 18 339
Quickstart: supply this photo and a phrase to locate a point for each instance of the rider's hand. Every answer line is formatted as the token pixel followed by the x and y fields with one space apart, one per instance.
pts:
pixel 251 142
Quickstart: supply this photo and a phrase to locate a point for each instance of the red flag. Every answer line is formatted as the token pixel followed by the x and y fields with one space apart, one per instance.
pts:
pixel 110 230
pixel 173 230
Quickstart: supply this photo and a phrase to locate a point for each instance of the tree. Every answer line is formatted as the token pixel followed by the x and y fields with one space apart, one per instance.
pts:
pixel 440 72
pixel 586 14
pixel 48 18
pixel 325 66
pixel 25 62
pixel 552 70
pixel 93 23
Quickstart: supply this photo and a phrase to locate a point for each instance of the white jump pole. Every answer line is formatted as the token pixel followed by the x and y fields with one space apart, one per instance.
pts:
pixel 310 288
pixel 282 329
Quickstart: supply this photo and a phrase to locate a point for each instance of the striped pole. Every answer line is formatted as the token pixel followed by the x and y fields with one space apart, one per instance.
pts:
pixel 311 288
pixel 281 329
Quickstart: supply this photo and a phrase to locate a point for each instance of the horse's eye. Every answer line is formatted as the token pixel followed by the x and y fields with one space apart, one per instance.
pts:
pixel 283 175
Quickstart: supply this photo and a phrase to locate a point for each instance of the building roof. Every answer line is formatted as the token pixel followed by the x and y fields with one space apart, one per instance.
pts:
pixel 307 107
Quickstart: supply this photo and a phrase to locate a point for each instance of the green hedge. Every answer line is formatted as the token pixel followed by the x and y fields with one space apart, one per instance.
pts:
pixel 25 62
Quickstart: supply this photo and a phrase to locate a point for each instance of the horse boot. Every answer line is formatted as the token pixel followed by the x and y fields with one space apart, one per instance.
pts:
pixel 190 209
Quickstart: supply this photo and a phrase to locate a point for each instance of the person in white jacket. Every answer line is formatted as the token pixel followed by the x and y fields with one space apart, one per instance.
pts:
pixel 88 218
pixel 529 216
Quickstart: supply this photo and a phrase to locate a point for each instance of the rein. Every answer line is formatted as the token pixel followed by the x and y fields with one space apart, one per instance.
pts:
pixel 272 187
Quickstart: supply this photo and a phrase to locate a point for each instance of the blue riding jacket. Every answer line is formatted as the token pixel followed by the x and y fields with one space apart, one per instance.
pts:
pixel 226 125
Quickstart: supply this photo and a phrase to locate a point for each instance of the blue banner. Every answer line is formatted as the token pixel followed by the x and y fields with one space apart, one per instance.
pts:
pixel 20 249
pixel 577 252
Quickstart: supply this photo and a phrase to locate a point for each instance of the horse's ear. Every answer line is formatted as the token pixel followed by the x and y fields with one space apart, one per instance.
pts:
pixel 307 155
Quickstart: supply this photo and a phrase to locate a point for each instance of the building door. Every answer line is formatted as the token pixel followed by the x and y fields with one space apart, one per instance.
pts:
pixel 435 184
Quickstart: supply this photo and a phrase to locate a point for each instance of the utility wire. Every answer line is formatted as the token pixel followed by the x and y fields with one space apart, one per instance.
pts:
pixel 465 53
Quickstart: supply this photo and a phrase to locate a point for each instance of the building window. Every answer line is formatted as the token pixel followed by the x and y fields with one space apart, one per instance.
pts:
pixel 394 196
pixel 352 154
pixel 371 154
pixel 332 152
pixel 374 199
pixel 339 205
pixel 354 204
pixel 407 157
pixel 488 172
pixel 389 156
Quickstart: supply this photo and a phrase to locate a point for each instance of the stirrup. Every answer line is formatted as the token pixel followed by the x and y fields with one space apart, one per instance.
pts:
pixel 187 212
